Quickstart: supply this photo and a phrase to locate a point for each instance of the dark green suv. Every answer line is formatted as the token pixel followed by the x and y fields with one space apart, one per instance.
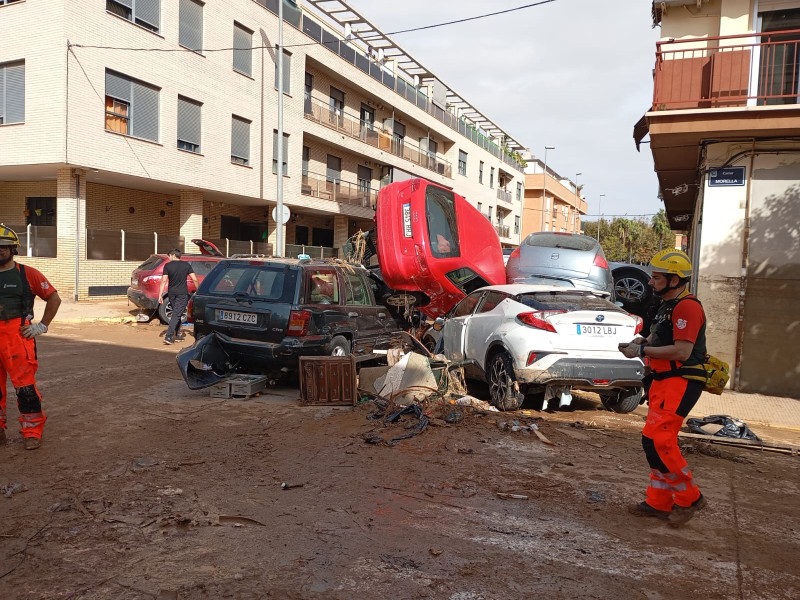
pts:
pixel 264 313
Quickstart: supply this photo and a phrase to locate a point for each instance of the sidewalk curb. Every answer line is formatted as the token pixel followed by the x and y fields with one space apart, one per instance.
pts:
pixel 95 320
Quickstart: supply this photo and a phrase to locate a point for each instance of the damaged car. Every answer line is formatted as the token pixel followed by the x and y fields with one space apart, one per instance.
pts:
pixel 528 338
pixel 258 315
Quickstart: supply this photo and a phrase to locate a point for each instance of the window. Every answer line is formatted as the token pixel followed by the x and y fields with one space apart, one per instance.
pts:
pixel 467 280
pixel 480 206
pixel 7 2
pixel 323 287
pixel 334 170
pixel 12 92
pixel 516 224
pixel 336 105
pixel 131 106
pixel 306 156
pixel 364 180
pixel 519 191
pixel 242 50
pixel 357 293
pixel 189 120
pixel 489 214
pixel 190 25
pixel 146 13
pixel 480 172
pixel 367 117
pixel 462 162
pixel 287 72
pixel 440 211
pixel 491 177
pixel 240 141
pixel 285 150
pixel 309 89
pixel 490 301
pixel 466 306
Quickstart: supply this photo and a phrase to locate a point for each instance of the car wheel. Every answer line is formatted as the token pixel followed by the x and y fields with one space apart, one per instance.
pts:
pixel 623 401
pixel 165 312
pixel 631 288
pixel 503 387
pixel 339 346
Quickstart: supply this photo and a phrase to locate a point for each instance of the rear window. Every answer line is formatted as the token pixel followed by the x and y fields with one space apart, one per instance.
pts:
pixel 440 209
pixel 568 242
pixel 467 280
pixel 203 267
pixel 566 301
pixel 270 283
pixel 151 263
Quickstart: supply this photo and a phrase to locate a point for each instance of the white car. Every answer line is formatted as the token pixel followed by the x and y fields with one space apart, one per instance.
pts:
pixel 523 338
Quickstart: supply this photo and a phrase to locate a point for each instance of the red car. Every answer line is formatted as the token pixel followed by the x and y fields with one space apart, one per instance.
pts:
pixel 434 245
pixel 146 278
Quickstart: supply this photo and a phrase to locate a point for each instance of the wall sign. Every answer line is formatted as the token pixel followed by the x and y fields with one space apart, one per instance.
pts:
pixel 726 176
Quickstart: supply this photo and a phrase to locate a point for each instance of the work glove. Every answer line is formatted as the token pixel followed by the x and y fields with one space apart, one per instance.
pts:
pixel 31 331
pixel 630 350
pixel 639 340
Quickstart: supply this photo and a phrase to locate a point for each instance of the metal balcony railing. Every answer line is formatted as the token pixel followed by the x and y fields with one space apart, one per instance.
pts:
pixel 503 230
pixel 504 195
pixel 343 192
pixel 349 125
pixel 734 70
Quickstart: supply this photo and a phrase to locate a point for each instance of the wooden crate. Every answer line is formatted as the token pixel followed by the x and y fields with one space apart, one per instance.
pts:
pixel 329 380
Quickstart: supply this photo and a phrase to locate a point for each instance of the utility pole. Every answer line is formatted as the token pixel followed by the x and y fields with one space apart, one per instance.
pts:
pixel 600 220
pixel 544 183
pixel 576 196
pixel 279 171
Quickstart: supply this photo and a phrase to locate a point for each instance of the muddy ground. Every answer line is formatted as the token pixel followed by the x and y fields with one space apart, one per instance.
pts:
pixel 144 489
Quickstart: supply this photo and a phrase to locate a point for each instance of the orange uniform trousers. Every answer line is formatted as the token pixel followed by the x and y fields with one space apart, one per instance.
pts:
pixel 19 363
pixel 671 482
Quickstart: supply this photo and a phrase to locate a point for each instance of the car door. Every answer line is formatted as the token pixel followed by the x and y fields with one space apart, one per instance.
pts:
pixel 362 310
pixel 324 300
pixel 456 324
pixel 480 326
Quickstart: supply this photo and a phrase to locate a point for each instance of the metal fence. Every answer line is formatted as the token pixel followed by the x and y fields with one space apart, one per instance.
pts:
pixel 36 240
pixel 294 250
pixel 339 191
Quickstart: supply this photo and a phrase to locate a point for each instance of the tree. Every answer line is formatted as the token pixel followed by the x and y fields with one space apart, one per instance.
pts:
pixel 661 227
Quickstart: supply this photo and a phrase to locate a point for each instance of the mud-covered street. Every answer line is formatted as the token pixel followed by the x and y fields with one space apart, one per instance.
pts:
pixel 145 489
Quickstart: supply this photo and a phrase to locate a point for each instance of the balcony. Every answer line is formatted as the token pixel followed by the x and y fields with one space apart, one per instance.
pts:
pixel 352 194
pixel 725 71
pixel 351 126
pixel 504 195
pixel 503 230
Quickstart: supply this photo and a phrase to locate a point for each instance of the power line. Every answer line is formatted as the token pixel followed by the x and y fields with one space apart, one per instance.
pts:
pixel 364 39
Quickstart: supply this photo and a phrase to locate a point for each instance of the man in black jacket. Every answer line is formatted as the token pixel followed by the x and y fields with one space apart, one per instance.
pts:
pixel 174 278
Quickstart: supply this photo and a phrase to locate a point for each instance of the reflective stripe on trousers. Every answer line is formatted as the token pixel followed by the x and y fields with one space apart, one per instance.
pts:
pixel 18 362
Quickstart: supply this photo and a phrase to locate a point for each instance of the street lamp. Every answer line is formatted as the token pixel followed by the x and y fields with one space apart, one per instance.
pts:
pixel 599 204
pixel 576 199
pixel 544 184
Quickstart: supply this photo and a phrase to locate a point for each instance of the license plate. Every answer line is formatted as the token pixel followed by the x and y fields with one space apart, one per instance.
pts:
pixel 237 317
pixel 407 221
pixel 596 330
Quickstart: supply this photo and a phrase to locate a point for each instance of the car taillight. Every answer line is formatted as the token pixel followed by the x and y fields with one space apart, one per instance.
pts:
pixel 515 253
pixel 189 309
pixel 600 261
pixel 531 359
pixel 639 324
pixel 538 319
pixel 298 322
pixel 151 278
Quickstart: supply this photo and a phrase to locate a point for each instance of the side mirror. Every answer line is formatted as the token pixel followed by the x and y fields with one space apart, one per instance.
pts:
pixel 438 323
pixel 618 303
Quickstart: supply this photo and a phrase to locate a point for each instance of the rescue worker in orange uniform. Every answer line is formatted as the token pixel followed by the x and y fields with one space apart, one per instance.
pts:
pixel 18 285
pixel 676 350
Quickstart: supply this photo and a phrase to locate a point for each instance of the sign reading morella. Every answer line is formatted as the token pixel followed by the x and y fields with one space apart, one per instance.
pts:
pixel 726 176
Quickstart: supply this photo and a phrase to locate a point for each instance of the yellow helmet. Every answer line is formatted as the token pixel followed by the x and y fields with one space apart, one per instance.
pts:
pixel 8 237
pixel 671 262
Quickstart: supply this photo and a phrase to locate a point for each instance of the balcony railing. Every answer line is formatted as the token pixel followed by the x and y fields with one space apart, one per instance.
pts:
pixel 36 240
pixel 504 195
pixel 349 125
pixel 734 70
pixel 319 186
pixel 503 230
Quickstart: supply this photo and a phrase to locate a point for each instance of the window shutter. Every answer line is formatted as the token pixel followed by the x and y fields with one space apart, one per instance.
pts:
pixel 118 86
pixel 144 112
pixel 242 50
pixel 127 3
pixel 240 138
pixel 191 25
pixel 287 73
pixel 15 93
pixel 189 121
pixel 2 94
pixel 148 11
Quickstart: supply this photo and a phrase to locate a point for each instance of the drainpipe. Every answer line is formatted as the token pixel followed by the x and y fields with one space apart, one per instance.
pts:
pixel 743 280
pixel 77 176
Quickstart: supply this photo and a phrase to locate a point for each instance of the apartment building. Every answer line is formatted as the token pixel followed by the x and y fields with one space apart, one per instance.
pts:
pixel 551 202
pixel 724 132
pixel 128 126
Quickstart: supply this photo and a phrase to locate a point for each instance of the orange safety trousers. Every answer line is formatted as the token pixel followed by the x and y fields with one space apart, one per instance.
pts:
pixel 19 363
pixel 671 481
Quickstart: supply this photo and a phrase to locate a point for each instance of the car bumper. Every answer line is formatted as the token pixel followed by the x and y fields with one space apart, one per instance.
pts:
pixel 583 373
pixel 141 300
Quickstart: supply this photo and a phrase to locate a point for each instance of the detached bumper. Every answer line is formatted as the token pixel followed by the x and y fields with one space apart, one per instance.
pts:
pixel 585 373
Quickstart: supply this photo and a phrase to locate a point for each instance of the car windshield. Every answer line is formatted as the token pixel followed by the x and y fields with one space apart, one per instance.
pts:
pixel 203 267
pixel 555 240
pixel 257 282
pixel 151 263
pixel 442 225
pixel 567 301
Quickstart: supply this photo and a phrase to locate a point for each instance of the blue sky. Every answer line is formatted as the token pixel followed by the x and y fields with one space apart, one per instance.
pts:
pixel 574 74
